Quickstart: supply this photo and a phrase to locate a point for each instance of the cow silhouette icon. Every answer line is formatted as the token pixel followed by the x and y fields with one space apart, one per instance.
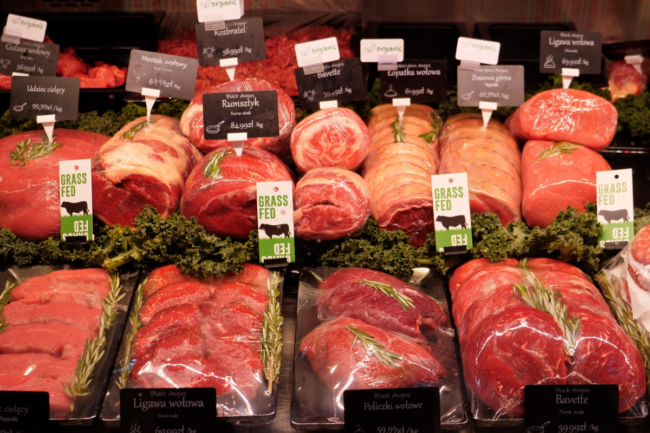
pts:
pixel 271 230
pixel 72 208
pixel 614 215
pixel 452 221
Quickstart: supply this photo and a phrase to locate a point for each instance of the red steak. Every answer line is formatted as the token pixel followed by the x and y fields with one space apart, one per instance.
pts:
pixel 71 313
pixel 236 318
pixel 39 365
pixel 59 400
pixel 78 283
pixel 190 292
pixel 467 270
pixel 53 338
pixel 639 258
pixel 226 294
pixel 239 357
pixel 185 372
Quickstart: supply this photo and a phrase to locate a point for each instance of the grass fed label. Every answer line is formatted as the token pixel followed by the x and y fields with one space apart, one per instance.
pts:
pixel 341 81
pixel 382 50
pixel 501 84
pixel 32 58
pixel 255 113
pixel 422 81
pixel 243 39
pixel 320 51
pixel 76 200
pixel 29 28
pixel 576 50
pixel 478 50
pixel 174 76
pixel 275 222
pixel 38 96
pixel 24 412
pixel 615 208
pixel 219 10
pixel 451 213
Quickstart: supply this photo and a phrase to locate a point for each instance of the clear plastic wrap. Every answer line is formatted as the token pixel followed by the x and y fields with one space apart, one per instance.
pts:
pixel 557 175
pixel 362 329
pixel 334 137
pixel 145 163
pixel 38 216
pixel 538 322
pixel 221 191
pixel 624 79
pixel 330 203
pixel 189 332
pixel 56 318
pixel 492 160
pixel 566 115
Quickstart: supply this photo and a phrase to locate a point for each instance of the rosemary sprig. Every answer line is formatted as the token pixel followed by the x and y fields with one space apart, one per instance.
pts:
pixel 398 131
pixel 430 137
pixel 389 290
pixel 213 168
pixel 26 150
pixel 271 344
pixel 136 324
pixel 563 147
pixel 94 350
pixel 374 348
pixel 128 135
pixel 5 297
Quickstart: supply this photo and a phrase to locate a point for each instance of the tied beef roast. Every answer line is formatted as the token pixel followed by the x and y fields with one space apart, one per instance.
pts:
pixel 29 186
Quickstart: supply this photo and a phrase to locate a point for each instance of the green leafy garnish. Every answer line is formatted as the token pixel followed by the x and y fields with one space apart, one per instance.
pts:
pixel 5 297
pixel 389 290
pixel 128 135
pixel 26 150
pixel 213 167
pixel 271 341
pixel 560 148
pixel 398 131
pixel 374 348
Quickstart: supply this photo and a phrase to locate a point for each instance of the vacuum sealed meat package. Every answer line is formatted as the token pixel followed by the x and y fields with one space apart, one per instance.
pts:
pixel 624 79
pixel 363 329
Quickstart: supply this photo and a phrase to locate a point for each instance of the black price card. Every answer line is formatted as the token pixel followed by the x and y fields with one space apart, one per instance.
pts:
pixel 38 96
pixel 183 410
pixel 174 76
pixel 503 84
pixel 24 412
pixel 341 80
pixel 255 113
pixel 422 81
pixel 243 39
pixel 33 58
pixel 563 49
pixel 399 410
pixel 571 408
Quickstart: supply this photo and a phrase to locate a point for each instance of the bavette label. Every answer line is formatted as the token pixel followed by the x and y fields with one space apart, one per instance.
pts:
pixel 341 81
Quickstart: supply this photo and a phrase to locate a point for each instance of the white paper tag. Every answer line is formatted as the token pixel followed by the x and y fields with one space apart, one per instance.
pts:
pixel 76 200
pixel 374 50
pixel 451 213
pixel 219 10
pixel 319 51
pixel 275 222
pixel 29 28
pixel 615 208
pixel 478 50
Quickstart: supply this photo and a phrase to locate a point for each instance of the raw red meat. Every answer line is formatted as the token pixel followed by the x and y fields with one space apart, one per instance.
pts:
pixel 39 365
pixel 52 338
pixel 101 76
pixel 192 120
pixel 175 343
pixel 70 64
pixel 557 175
pixel 343 363
pixel 225 202
pixel 469 269
pixel 145 163
pixel 226 294
pixel 38 217
pixel 566 115
pixel 188 292
pixel 639 258
pixel 185 372
pixel 330 203
pixel 624 79
pixel 81 282
pixel 253 275
pixel 59 400
pixel 235 318
pixel 239 357
pixel 334 137
pixel 70 313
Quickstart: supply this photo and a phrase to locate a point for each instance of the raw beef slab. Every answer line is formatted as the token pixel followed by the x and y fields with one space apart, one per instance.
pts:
pixel 29 194
pixel 145 163
pixel 330 203
pixel 624 79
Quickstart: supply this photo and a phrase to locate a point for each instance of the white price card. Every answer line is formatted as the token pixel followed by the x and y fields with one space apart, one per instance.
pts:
pixel 615 205
pixel 76 200
pixel 275 222
pixel 219 10
pixel 319 51
pixel 382 50
pixel 478 51
pixel 451 213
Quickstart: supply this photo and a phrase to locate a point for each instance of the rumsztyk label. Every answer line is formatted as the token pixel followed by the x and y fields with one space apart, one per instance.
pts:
pixel 76 200
pixel 275 221
pixel 451 213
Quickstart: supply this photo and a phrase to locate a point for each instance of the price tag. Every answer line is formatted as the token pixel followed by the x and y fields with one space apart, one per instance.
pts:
pixel 255 113
pixel 342 80
pixel 422 81
pixel 571 408
pixel 478 51
pixel 275 222
pixel 399 410
pixel 174 76
pixel 382 50
pixel 501 84
pixel 186 410
pixel 451 213
pixel 615 208
pixel 26 28
pixel 219 10
pixel 32 58
pixel 37 96
pixel 575 50
pixel 319 51
pixel 25 412
pixel 76 200
pixel 243 39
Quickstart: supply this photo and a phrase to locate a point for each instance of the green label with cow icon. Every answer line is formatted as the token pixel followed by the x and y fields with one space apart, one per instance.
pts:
pixel 76 200
pixel 615 202
pixel 275 222
pixel 451 213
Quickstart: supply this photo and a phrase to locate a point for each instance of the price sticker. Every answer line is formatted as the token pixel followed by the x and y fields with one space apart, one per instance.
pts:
pixel 255 113
pixel 500 83
pixel 25 412
pixel 341 81
pixel 38 96
pixel 76 200
pixel 242 39
pixel 275 222
pixel 422 81
pixel 451 212
pixel 32 58
pixel 573 50
pixel 174 76
pixel 615 205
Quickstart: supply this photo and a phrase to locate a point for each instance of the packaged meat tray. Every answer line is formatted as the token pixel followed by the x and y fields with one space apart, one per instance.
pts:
pixel 213 332
pixel 538 322
pixel 54 320
pixel 363 329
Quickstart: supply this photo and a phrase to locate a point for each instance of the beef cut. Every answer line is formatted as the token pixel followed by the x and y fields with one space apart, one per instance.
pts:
pixel 145 163
pixel 624 79
pixel 330 203
pixel 221 191
pixel 557 175
pixel 334 137
pixel 29 192
pixel 639 259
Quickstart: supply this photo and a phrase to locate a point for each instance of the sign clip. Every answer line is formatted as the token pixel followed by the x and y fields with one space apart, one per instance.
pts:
pixel 313 65
pixel 237 139
pixel 229 64
pixel 48 121
pixel 469 66
pixel 11 35
pixel 401 104
pixel 387 63
pixel 487 108
pixel 215 22
pixel 150 96
pixel 636 61
pixel 569 74
pixel 328 104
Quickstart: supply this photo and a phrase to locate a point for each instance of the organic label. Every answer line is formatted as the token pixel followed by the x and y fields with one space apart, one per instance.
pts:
pixel 24 412
pixel 174 76
pixel 422 81
pixel 615 208
pixel 376 50
pixel 255 113
pixel 32 58
pixel 341 81
pixel 219 10
pixel 29 28
pixel 452 218
pixel 576 50
pixel 501 84
pixel 320 51
pixel 242 39
pixel 38 96
pixel 478 50
pixel 76 200
pixel 275 221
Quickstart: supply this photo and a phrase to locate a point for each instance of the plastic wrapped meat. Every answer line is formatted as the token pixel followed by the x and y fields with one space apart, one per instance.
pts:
pixel 490 157
pixel 566 115
pixel 192 120
pixel 334 137
pixel 38 216
pixel 221 191
pixel 145 163
pixel 624 79
pixel 330 203
pixel 557 175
